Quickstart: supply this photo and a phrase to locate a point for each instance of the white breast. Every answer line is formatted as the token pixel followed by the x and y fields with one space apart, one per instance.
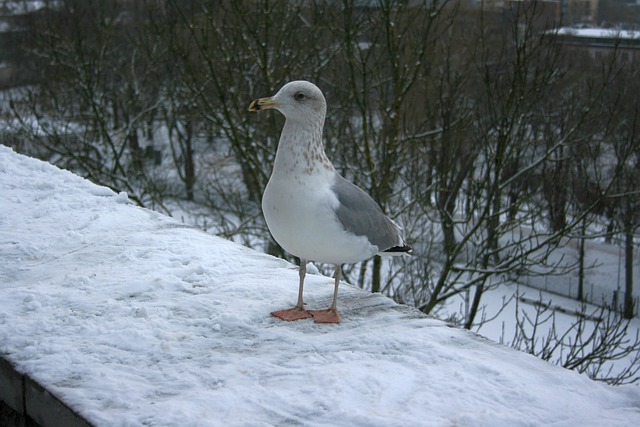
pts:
pixel 300 214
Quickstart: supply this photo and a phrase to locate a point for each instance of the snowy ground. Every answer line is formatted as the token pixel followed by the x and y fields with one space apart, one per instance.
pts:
pixel 134 319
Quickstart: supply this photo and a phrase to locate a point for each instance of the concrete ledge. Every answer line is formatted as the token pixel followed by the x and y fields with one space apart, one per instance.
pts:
pixel 11 387
pixel 32 404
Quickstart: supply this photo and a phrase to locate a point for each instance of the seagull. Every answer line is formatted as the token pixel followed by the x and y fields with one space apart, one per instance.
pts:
pixel 310 209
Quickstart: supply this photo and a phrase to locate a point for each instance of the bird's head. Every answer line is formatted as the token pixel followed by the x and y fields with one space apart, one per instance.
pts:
pixel 297 100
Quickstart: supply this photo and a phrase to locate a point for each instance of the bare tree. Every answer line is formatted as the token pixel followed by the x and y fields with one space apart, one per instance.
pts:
pixel 627 199
pixel 590 341
pixel 92 95
pixel 486 152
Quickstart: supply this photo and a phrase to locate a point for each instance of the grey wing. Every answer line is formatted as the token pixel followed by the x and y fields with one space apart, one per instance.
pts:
pixel 361 215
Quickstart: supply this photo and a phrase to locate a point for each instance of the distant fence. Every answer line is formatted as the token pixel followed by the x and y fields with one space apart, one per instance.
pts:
pixel 568 287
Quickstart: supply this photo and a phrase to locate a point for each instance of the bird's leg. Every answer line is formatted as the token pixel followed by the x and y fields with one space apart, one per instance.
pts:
pixel 337 276
pixel 302 272
pixel 330 315
pixel 298 312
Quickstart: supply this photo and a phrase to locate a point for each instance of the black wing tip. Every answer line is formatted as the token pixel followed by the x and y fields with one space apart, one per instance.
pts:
pixel 398 250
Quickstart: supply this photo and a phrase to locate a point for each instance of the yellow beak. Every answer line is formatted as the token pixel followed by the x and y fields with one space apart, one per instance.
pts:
pixel 262 104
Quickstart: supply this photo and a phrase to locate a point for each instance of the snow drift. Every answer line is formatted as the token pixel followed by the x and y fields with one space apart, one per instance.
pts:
pixel 132 318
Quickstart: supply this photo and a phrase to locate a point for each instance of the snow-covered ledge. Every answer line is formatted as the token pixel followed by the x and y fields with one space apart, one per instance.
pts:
pixel 130 318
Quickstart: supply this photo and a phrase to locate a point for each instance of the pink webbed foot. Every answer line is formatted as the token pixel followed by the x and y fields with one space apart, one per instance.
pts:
pixel 329 315
pixel 291 314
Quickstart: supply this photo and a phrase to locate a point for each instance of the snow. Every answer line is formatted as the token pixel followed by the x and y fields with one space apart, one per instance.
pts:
pixel 133 318
pixel 601 33
pixel 23 7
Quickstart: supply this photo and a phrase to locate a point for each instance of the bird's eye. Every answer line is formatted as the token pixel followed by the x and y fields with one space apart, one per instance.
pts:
pixel 298 96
